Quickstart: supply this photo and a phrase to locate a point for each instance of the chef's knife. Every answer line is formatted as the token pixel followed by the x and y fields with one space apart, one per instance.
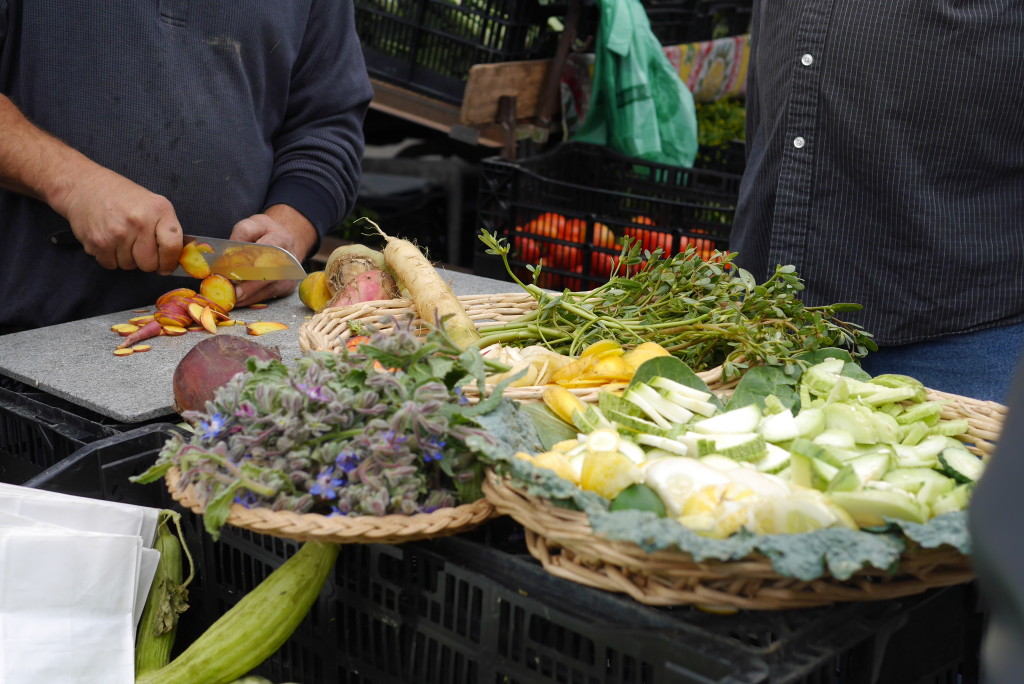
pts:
pixel 229 258
pixel 245 260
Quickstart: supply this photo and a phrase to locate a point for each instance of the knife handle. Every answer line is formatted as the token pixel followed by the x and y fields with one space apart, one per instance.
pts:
pixel 64 238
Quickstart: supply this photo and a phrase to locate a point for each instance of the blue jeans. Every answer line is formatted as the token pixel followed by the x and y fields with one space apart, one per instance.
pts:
pixel 980 365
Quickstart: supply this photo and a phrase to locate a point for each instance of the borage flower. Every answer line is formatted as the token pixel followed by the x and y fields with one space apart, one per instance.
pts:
pixel 246 498
pixel 316 393
pixel 432 449
pixel 213 427
pixel 347 461
pixel 326 483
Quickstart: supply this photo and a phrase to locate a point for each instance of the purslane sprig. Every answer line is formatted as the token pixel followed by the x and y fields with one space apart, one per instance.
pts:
pixel 705 312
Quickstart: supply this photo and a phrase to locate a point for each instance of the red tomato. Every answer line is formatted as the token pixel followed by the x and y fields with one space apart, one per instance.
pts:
pixel 548 224
pixel 705 248
pixel 602 264
pixel 526 249
pixel 603 236
pixel 651 239
pixel 573 230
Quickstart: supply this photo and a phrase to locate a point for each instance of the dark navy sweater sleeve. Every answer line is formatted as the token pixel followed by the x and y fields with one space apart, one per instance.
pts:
pixel 318 153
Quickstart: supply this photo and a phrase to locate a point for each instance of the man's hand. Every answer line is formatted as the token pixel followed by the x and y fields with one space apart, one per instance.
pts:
pixel 281 226
pixel 122 224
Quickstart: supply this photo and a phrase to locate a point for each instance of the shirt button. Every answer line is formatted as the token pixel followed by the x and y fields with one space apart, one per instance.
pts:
pixel 798 142
pixel 807 60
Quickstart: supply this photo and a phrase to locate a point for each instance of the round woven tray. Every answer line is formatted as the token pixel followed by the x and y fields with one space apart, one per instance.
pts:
pixel 362 529
pixel 329 329
pixel 565 544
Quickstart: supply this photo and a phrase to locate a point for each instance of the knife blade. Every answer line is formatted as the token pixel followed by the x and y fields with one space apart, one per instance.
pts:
pixel 230 258
pixel 244 260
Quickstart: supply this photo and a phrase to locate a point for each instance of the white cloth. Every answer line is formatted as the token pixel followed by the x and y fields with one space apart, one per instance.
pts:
pixel 74 576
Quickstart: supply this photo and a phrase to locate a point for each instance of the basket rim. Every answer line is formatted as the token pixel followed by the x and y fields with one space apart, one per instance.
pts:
pixel 363 529
pixel 325 329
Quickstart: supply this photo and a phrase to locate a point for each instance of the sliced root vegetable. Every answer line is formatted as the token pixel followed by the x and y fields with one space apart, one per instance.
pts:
pixel 220 291
pixel 195 328
pixel 264 327
pixel 227 322
pixel 140 311
pixel 353 343
pixel 151 329
pixel 138 348
pixel 258 305
pixel 193 261
pixel 178 292
pixel 140 320
pixel 124 328
pixel 431 296
pixel 123 352
pixel 166 318
pixel 205 316
pixel 206 301
pixel 209 320
pixel 195 310
pixel 174 330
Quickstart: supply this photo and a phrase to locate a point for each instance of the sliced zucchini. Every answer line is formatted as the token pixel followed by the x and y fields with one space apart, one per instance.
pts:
pixel 741 420
pixel 961 465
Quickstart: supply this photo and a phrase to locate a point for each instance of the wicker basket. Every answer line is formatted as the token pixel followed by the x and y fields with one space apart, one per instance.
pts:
pixel 565 544
pixel 329 329
pixel 363 529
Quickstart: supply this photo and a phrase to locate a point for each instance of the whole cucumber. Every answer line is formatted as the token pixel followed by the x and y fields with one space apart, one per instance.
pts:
pixel 255 627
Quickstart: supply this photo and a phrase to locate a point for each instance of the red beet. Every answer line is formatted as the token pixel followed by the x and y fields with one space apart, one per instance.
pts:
pixel 211 363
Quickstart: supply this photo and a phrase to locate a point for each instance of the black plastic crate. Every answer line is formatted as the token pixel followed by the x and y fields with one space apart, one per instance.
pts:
pixel 572 204
pixel 38 430
pixel 406 206
pixel 429 46
pixel 717 18
pixel 677 22
pixel 477 608
pixel 430 612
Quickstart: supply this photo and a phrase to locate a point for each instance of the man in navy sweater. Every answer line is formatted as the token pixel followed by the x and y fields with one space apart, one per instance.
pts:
pixel 133 123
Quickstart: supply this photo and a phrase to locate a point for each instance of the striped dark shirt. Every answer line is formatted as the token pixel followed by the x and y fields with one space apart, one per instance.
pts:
pixel 886 159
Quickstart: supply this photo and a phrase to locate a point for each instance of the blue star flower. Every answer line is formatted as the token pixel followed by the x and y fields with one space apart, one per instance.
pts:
pixel 325 484
pixel 213 427
pixel 347 461
pixel 432 449
pixel 316 393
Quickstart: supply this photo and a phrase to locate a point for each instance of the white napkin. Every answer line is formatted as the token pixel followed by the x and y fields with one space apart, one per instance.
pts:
pixel 74 576
pixel 79 512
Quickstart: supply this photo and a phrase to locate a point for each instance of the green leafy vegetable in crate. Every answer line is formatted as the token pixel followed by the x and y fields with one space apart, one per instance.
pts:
pixel 721 122
pixel 704 312
pixel 381 428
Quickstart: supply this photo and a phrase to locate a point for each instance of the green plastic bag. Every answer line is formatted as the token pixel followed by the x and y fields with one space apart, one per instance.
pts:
pixel 639 106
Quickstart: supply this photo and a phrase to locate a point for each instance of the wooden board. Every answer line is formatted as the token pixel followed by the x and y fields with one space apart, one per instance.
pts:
pixel 487 83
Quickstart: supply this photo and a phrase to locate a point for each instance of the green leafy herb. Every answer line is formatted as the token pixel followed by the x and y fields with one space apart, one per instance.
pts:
pixel 705 313
pixel 336 434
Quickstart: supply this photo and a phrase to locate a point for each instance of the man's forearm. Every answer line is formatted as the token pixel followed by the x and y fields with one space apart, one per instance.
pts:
pixel 33 162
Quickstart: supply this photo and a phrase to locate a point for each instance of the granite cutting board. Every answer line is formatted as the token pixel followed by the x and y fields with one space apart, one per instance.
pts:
pixel 75 361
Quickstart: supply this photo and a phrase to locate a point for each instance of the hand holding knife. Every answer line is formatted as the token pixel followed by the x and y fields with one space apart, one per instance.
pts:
pixel 238 261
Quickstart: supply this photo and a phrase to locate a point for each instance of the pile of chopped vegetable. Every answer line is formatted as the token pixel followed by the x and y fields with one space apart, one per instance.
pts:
pixel 380 429
pixel 830 468
pixel 704 312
